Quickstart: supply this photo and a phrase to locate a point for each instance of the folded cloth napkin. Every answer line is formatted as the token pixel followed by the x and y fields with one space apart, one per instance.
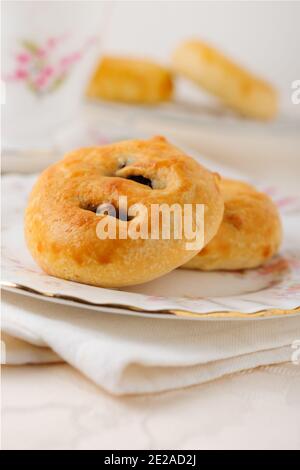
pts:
pixel 15 351
pixel 132 355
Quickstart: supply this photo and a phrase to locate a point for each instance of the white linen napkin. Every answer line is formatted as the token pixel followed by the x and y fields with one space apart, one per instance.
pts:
pixel 15 351
pixel 131 355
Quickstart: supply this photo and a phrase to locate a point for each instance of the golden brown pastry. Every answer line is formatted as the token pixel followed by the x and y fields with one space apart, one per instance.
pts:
pixel 249 235
pixel 61 220
pixel 130 81
pixel 234 85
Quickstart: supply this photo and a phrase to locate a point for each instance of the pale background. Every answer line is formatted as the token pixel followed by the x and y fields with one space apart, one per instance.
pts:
pixel 263 35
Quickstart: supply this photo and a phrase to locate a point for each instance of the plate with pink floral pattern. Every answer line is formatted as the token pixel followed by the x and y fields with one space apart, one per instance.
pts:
pixel 270 291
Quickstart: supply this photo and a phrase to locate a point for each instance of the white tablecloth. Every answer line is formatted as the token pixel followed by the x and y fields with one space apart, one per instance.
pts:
pixel 54 407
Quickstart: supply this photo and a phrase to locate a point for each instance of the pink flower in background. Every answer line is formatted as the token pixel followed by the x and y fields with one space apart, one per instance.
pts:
pixel 23 58
pixel 69 60
pixel 20 74
pixel 40 81
pixel 52 42
pixel 48 71
pixel 41 53
pixel 41 68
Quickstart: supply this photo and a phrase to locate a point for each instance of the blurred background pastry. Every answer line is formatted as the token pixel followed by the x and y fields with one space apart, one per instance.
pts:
pixel 130 80
pixel 236 87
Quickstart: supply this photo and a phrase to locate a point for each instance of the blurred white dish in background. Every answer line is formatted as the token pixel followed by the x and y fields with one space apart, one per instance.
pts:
pixel 48 51
pixel 263 152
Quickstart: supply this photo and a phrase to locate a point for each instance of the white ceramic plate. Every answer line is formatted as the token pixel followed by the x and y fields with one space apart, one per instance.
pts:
pixel 269 291
pixel 213 129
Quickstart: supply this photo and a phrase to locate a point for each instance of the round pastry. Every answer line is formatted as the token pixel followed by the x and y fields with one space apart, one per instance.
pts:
pixel 250 232
pixel 235 86
pixel 131 81
pixel 62 217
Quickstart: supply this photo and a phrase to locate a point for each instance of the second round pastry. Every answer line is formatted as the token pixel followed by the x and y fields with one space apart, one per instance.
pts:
pixel 249 235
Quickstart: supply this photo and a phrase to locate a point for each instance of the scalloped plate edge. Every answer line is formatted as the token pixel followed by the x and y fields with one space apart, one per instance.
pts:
pixel 132 310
